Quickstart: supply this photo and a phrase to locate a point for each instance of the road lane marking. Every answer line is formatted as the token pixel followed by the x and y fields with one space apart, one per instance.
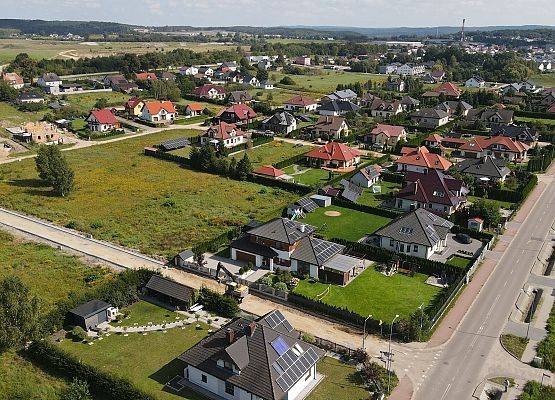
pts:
pixel 446 391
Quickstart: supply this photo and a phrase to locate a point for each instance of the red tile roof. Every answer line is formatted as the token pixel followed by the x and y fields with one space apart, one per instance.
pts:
pixel 143 76
pixel 269 170
pixel 551 109
pixel 133 102
pixel 423 158
pixel 300 101
pixel 242 111
pixel 204 89
pixel 388 130
pixel 480 143
pixel 154 107
pixel 222 131
pixel 334 151
pixel 12 78
pixel 447 88
pixel 104 116
pixel 195 107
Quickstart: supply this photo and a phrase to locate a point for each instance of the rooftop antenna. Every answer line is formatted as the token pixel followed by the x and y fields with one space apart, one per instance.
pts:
pixel 462 30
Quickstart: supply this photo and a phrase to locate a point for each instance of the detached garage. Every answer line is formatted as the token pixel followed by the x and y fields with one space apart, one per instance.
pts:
pixel 170 292
pixel 89 315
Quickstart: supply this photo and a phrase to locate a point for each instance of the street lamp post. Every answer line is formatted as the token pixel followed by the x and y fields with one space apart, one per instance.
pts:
pixel 381 328
pixel 364 330
pixel 531 314
pixel 389 353
pixel 421 308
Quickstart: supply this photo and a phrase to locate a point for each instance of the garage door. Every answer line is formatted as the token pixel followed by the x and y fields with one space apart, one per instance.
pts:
pixel 241 256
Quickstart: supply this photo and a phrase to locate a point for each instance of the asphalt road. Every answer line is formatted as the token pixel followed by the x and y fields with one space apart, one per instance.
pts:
pixel 460 366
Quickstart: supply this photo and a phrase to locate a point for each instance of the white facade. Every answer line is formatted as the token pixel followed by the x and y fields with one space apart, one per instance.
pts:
pixel 191 70
pixel 306 108
pixel 474 83
pixel 416 250
pixel 411 168
pixel 360 180
pixel 410 205
pixel 162 116
pixel 409 69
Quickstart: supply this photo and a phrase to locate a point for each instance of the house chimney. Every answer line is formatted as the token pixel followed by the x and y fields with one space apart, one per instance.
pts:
pixel 303 228
pixel 250 328
pixel 230 335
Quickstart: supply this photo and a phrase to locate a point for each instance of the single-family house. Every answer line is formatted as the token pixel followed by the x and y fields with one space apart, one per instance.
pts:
pixel 300 104
pixel 448 89
pixel 432 190
pixel 280 122
pixel 485 169
pixel 41 132
pixel 367 176
pixel 269 171
pixel 496 146
pixel 251 80
pixel 395 85
pixel 50 82
pixel 454 107
pixel 29 98
pixel 13 79
pixel 228 66
pixel 475 82
pixel 333 155
pixel 342 95
pixel 146 76
pixel 160 112
pixel 330 127
pixel 239 97
pixel 420 233
pixel 336 108
pixel 291 245
pixel 409 104
pixel 210 91
pixel 237 114
pixel 386 136
pixel 429 118
pixel 134 107
pixel 266 85
pixel 205 71
pixel 522 133
pixel 382 108
pixel 166 76
pixel 223 135
pixel 188 70
pixel 262 359
pixel 421 160
pixel 490 117
pixel 102 121
pixel 302 61
pixel 548 99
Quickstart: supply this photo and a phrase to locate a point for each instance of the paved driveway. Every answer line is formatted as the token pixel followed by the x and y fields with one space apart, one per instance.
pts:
pixel 455 247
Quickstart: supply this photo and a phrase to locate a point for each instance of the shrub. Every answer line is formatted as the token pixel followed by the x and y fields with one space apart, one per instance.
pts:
pixel 79 333
pixel 220 304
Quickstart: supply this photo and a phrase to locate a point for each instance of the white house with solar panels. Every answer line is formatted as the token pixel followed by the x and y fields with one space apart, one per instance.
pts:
pixel 264 359
pixel 290 245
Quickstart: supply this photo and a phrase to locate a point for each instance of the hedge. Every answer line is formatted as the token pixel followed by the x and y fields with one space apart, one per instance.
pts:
pixel 532 114
pixel 392 177
pixel 289 161
pixel 101 384
pixel 482 236
pixel 336 201
pixel 218 303
pixel 281 184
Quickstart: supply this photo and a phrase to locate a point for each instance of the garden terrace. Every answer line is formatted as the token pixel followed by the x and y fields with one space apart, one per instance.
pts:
pixel 140 202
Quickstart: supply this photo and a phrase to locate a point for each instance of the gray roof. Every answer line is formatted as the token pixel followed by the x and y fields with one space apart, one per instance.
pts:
pixel 370 172
pixel 486 166
pixel 485 114
pixel 522 133
pixel 430 113
pixel 239 95
pixel 283 230
pixel 453 104
pixel 264 372
pixel 316 251
pixel 50 77
pixel 350 191
pixel 244 243
pixel 170 288
pixel 407 100
pixel 90 308
pixel 342 95
pixel 280 118
pixel 419 227
pixel 339 106
pixel 342 263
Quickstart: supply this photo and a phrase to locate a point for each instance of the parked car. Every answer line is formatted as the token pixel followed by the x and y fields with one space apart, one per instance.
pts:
pixel 463 238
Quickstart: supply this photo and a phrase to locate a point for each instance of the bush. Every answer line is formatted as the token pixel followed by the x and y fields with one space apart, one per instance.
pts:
pixel 535 391
pixel 218 303
pixel 79 333
pixel 546 348
pixel 287 80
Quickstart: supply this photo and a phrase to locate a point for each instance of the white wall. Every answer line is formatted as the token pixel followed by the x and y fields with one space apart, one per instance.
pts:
pixel 298 387
pixel 422 252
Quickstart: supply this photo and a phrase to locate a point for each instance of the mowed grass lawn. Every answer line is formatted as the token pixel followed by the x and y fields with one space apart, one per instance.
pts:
pixel 502 204
pixel 86 101
pixel 148 361
pixel 544 121
pixel 272 152
pixel 328 81
pixel 351 224
pixel 142 312
pixel 306 175
pixel 374 293
pixel 341 381
pixel 370 198
pixel 141 202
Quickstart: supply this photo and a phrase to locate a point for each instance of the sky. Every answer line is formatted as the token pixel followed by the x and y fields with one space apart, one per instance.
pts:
pixel 360 13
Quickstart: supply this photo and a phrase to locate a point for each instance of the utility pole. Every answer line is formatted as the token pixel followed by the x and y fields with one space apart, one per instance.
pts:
pixel 389 354
pixel 364 330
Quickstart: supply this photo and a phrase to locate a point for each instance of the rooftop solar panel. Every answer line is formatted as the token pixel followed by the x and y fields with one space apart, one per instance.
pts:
pixel 280 346
pixel 298 368
pixel 174 144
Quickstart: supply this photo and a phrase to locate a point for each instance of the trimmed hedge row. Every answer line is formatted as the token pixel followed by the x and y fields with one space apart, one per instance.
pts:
pixel 532 114
pixel 162 155
pixel 289 161
pixel 392 177
pixel 101 384
pixel 336 201
pixel 281 184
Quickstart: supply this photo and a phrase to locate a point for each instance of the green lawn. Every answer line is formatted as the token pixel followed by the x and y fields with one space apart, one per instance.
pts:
pixel 328 81
pixel 544 121
pixel 376 294
pixel 11 116
pixel 271 153
pixel 341 381
pixel 547 80
pixel 502 204
pixel 214 107
pixel 148 361
pixel 152 205
pixel 370 198
pixel 86 101
pixel 458 261
pixel 546 348
pixel 351 224
pixel 78 124
pixel 143 312
pixel 307 176
pixel 183 152
pixel 514 344
pixel 20 379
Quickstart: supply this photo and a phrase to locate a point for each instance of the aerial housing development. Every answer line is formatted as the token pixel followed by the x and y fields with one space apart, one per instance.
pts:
pixel 273 210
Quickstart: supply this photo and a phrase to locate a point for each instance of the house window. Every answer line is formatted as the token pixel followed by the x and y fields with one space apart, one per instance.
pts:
pixel 391 242
pixel 229 389
pixel 204 378
pixel 415 248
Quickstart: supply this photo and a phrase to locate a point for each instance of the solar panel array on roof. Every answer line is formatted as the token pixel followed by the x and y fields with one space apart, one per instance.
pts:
pixel 280 346
pixel 350 191
pixel 324 250
pixel 294 367
pixel 307 204
pixel 432 234
pixel 174 144
pixel 276 319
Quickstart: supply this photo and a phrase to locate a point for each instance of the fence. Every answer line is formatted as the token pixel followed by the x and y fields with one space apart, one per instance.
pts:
pixel 332 346
pixel 259 288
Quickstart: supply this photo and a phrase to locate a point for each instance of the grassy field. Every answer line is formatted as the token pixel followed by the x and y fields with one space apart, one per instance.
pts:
pixel 155 206
pixel 86 101
pixel 328 81
pixel 351 224
pixel 307 176
pixel 544 121
pixel 271 153
pixel 147 361
pixel 547 80
pixel 514 344
pixel 370 198
pixel 20 379
pixel 11 116
pixel 39 49
pixel 341 381
pixel 458 261
pixel 374 293
pixel 214 107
